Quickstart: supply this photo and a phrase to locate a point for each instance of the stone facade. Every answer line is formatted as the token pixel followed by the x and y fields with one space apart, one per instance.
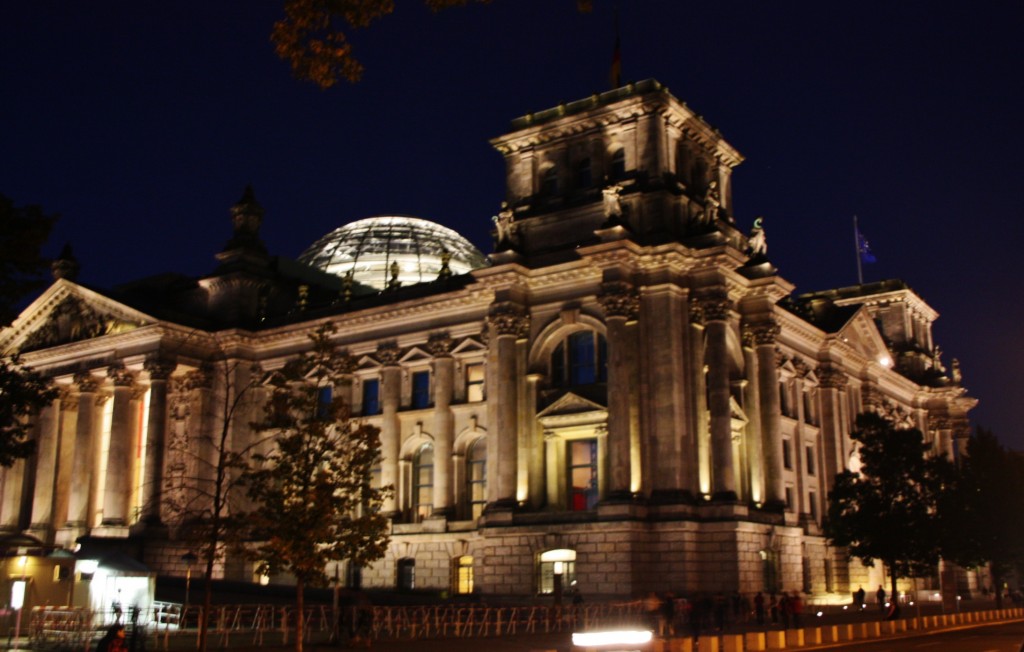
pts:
pixel 630 393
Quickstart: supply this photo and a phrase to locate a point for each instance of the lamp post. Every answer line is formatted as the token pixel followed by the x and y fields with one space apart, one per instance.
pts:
pixel 189 558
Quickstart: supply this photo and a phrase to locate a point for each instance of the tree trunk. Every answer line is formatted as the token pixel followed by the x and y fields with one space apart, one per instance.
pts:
pixel 997 584
pixel 894 596
pixel 299 611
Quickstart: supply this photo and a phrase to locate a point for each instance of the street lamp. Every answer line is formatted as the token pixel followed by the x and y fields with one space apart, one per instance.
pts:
pixel 188 558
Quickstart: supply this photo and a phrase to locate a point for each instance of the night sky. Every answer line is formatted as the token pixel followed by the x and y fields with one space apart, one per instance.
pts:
pixel 141 124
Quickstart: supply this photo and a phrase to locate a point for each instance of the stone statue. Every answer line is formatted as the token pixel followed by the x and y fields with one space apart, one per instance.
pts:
pixel 503 222
pixel 955 374
pixel 612 201
pixel 712 203
pixel 757 241
pixel 394 283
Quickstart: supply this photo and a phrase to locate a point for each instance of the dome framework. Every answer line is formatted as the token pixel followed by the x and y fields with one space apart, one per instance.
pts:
pixel 367 248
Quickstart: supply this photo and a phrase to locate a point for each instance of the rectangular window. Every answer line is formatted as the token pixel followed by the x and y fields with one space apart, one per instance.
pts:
pixel 808 409
pixel 464 574
pixel 810 460
pixel 787 454
pixel 783 399
pixel 582 474
pixel 475 382
pixel 812 504
pixel 323 403
pixel 789 497
pixel 371 396
pixel 420 390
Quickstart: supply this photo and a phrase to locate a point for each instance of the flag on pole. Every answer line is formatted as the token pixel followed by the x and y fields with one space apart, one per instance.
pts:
pixel 864 249
pixel 615 74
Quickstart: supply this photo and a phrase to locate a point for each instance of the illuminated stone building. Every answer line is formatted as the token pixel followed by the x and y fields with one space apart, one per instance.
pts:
pixel 625 390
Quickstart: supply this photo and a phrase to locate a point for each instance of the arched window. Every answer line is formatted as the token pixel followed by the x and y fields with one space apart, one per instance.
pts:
pixel 556 567
pixel 423 482
pixel 581 359
pixel 476 477
pixel 617 169
pixel 584 178
pixel 549 182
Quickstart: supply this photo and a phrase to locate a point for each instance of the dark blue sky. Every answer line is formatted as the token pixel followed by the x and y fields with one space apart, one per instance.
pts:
pixel 141 123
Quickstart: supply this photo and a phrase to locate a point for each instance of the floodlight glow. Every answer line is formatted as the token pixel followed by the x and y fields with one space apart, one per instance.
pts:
pixel 88 566
pixel 885 361
pixel 616 637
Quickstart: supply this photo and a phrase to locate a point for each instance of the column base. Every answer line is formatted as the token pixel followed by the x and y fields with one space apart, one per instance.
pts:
pixel 671 497
pixel 724 497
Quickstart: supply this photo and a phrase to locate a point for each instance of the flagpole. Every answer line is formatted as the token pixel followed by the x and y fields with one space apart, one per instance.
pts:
pixel 856 251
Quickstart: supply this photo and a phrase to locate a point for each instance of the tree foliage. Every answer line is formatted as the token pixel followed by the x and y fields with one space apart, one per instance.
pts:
pixel 314 496
pixel 975 527
pixel 887 510
pixel 23 392
pixel 312 35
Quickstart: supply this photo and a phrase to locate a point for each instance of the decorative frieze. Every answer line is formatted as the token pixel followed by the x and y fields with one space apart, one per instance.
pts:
pixel 619 299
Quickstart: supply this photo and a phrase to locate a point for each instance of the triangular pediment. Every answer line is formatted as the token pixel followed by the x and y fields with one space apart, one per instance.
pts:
pixel 570 403
pixel 861 333
pixel 67 312
pixel 469 345
pixel 416 354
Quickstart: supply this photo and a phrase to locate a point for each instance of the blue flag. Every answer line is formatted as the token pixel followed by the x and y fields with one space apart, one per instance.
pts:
pixel 864 249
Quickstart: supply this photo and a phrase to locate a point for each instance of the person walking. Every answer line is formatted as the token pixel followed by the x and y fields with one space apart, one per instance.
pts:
pixel 880 595
pixel 759 608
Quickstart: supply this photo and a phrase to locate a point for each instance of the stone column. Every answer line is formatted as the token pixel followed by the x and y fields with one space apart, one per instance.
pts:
pixel 14 489
pixel 81 470
pixel 716 310
pixel 156 431
pixel 753 437
pixel 390 426
pixel 832 384
pixel 117 490
pixel 620 304
pixel 698 395
pixel 764 334
pixel 506 324
pixel 47 432
pixel 440 346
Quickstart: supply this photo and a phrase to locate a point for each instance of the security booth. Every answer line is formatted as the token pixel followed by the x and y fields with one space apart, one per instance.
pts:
pixel 32 574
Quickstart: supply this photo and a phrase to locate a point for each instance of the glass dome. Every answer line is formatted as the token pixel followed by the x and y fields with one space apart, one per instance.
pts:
pixel 368 248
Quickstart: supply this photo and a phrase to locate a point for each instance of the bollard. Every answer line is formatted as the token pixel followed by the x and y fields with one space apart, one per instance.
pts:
pixel 732 643
pixel 683 644
pixel 830 634
pixel 756 641
pixel 889 627
pixel 812 636
pixel 901 625
pixel 708 643
pixel 776 640
pixel 845 632
pixel 795 637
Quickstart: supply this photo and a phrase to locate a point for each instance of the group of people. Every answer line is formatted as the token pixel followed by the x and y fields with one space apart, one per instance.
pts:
pixel 669 615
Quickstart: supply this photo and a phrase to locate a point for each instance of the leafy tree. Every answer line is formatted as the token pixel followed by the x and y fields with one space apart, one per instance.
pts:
pixel 23 392
pixel 315 501
pixel 311 38
pixel 975 527
pixel 205 507
pixel 886 511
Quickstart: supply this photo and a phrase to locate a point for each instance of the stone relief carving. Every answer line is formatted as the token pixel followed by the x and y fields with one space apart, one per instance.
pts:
pixel 72 320
pixel 508 319
pixel 619 300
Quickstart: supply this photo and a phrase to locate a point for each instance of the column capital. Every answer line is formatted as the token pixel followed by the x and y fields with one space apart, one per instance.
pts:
pixel 440 344
pixel 201 378
pixel 830 377
pixel 939 422
pixel 715 305
pixel 508 319
pixel 159 368
pixel 86 382
pixel 121 376
pixel 761 333
pixel 871 398
pixel 388 353
pixel 619 299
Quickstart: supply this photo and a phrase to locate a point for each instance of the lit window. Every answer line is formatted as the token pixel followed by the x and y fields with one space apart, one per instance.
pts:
pixel 475 382
pixel 476 477
pixel 560 564
pixel 420 390
pixel 371 396
pixel 464 574
pixel 423 482
pixel 582 474
pixel 581 359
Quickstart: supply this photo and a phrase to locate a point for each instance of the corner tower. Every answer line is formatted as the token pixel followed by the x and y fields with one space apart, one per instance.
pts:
pixel 634 157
